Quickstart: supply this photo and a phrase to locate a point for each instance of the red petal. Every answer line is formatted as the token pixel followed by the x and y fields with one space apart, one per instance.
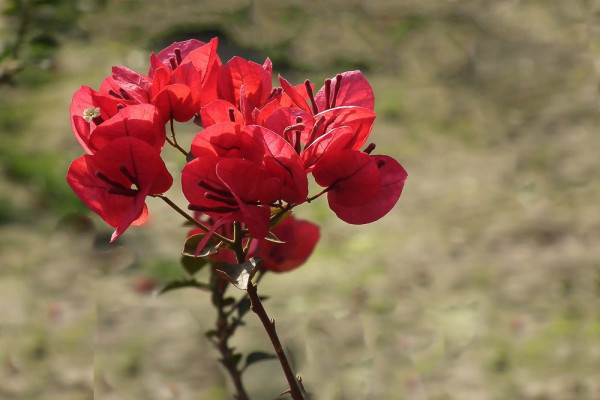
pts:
pixel 136 85
pixel 335 139
pixel 393 177
pixel 296 97
pixel 207 62
pixel 281 159
pixel 218 111
pixel 140 160
pixel 185 48
pixel 300 239
pixel 252 76
pixel 354 90
pixel 82 100
pixel 140 121
pixel 175 101
pixel 353 174
pixel 358 118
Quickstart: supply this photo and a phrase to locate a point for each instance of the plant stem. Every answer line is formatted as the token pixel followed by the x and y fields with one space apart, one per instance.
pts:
pixel 191 219
pixel 173 142
pixel 269 324
pixel 224 332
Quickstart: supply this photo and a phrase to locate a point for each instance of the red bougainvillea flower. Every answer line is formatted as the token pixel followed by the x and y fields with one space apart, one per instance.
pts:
pixel 350 88
pixel 115 181
pixel 360 188
pixel 242 173
pixel 300 239
pixel 185 77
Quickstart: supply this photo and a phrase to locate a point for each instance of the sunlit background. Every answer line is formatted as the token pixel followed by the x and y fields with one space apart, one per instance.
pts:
pixel 482 283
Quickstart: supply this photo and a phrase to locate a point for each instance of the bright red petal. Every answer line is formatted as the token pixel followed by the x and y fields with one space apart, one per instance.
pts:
pixel 354 90
pixel 393 177
pixel 254 78
pixel 352 175
pixel 140 121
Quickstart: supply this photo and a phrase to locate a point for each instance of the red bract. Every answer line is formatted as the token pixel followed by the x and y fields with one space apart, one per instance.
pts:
pixel 361 188
pixel 140 121
pixel 192 63
pixel 245 84
pixel 242 172
pixel 300 239
pixel 349 88
pixel 115 181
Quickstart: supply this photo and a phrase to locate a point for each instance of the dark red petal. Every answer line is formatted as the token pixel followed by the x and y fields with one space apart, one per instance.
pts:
pixel 393 177
pixel 140 121
pixel 354 90
pixel 300 239
pixel 353 176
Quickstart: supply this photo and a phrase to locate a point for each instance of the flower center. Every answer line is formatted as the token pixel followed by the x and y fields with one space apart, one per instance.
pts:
pixel 90 113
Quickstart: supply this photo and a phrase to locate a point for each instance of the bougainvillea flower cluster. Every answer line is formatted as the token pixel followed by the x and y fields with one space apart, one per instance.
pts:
pixel 250 163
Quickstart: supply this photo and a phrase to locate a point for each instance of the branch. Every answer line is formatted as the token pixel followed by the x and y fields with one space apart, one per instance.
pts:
pixel 269 325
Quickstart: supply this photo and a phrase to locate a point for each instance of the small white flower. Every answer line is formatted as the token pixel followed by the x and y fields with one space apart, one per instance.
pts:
pixel 90 113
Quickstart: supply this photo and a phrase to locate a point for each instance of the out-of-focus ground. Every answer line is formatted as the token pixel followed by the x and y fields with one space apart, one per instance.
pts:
pixel 483 282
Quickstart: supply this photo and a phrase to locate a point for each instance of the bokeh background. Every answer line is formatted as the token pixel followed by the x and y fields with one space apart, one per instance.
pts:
pixel 483 282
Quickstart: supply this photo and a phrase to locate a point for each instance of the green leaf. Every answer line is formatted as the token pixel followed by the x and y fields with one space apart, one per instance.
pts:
pixel 243 307
pixel 239 274
pixel 193 264
pixel 257 356
pixel 236 358
pixel 191 245
pixel 180 284
pixel 210 333
pixel 274 222
pixel 228 301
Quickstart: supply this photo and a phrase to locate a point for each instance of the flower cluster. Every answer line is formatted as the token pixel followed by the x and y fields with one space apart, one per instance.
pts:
pixel 250 163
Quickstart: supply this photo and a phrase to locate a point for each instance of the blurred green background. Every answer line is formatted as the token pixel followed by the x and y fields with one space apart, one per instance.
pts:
pixel 483 282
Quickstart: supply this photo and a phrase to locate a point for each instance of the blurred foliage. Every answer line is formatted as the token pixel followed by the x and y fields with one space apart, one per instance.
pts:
pixel 33 31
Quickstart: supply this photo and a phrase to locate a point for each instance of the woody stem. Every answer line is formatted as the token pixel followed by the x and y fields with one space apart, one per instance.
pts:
pixel 269 325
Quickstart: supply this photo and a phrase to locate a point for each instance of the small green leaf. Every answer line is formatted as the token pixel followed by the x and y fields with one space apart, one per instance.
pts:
pixel 239 274
pixel 180 284
pixel 274 222
pixel 210 333
pixel 228 301
pixel 257 356
pixel 191 246
pixel 243 307
pixel 193 264
pixel 236 358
